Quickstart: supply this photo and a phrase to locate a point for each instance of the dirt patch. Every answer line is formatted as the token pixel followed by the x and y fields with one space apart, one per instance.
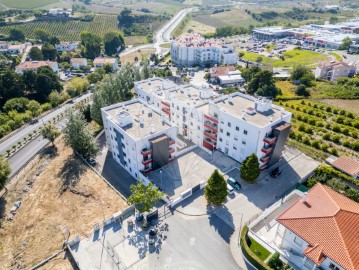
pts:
pixel 57 192
pixel 137 55
pixel 347 104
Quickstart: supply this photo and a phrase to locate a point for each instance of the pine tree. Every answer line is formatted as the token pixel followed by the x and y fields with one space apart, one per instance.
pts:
pixel 250 169
pixel 216 189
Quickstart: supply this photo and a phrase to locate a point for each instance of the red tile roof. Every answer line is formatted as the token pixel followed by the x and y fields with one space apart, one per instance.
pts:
pixel 221 71
pixel 102 60
pixel 328 221
pixel 347 165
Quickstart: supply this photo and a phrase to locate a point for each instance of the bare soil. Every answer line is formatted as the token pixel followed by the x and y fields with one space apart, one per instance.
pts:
pixel 56 191
pixel 137 55
pixel 346 104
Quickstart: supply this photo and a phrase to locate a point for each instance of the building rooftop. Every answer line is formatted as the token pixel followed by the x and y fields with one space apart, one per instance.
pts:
pixel 347 165
pixel 327 221
pixel 134 111
pixel 35 64
pixel 195 40
pixel 156 85
pixel 77 60
pixel 221 71
pixel 241 104
pixel 102 60
pixel 333 64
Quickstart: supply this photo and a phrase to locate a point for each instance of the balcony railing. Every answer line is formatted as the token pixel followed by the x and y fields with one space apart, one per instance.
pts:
pixel 211 127
pixel 214 120
pixel 146 152
pixel 209 144
pixel 146 170
pixel 269 140
pixel 266 149
pixel 172 142
pixel 262 168
pixel 147 161
pixel 166 104
pixel 264 159
pixel 166 111
pixel 210 135
pixel 171 150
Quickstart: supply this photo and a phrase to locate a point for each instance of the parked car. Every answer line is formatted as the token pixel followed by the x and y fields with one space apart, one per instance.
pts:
pixel 233 183
pixel 275 172
pixel 91 161
pixel 230 190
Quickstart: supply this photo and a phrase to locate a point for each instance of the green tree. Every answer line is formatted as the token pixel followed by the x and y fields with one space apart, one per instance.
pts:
pixel 207 76
pixel 94 77
pixel 50 132
pixel 5 171
pixel 216 189
pixel 34 107
pixel 49 52
pixel 346 43
pixel 333 20
pixel 46 80
pixel 114 42
pixel 54 40
pixel 55 98
pixel 42 34
pixel 11 85
pixel 79 136
pixel 262 83
pixel 35 54
pixel 302 91
pixel 91 45
pixel 16 104
pixel 274 262
pixel 144 197
pixel 250 169
pixel 16 34
pixel 108 68
pixel 302 74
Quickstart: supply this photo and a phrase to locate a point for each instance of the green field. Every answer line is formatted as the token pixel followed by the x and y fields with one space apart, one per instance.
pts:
pixel 68 30
pixel 257 249
pixel 292 58
pixel 26 3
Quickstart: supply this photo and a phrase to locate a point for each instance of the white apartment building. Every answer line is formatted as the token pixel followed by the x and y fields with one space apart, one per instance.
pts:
pixel 139 137
pixel 195 50
pixel 237 124
pixel 332 70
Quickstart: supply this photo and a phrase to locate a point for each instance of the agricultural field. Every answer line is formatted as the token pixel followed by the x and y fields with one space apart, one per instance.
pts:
pixel 136 56
pixel 135 40
pixel 68 30
pixel 321 130
pixel 346 104
pixel 26 4
pixel 198 27
pixel 291 58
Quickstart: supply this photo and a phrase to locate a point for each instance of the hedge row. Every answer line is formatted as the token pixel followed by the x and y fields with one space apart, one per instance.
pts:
pixel 332 172
pixel 250 256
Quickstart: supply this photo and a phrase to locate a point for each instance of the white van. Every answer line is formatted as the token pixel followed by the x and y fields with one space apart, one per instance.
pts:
pixel 230 190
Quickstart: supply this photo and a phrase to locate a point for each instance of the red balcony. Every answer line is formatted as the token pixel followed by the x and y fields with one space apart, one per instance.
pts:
pixel 171 159
pixel 146 152
pixel 266 150
pixel 269 140
pixel 166 104
pixel 214 120
pixel 166 111
pixel 172 142
pixel 263 167
pixel 209 145
pixel 264 159
pixel 212 136
pixel 171 150
pixel 209 126
pixel 146 162
pixel 146 170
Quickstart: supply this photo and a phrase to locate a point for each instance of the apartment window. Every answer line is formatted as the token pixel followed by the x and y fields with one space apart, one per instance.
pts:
pixel 237 128
pixel 123 146
pixel 235 137
pixel 222 122
pixel 228 134
pixel 136 175
pixel 130 169
pixel 111 137
pixel 333 266
pixel 177 108
pixel 227 143
pixel 220 139
pixel 245 132
pixel 124 154
pixel 125 163
pixel 244 142
pixel 229 124
pixel 191 123
pixel 215 115
pixel 298 241
pixel 198 127
pixel 234 147
pixel 191 115
pixel 221 130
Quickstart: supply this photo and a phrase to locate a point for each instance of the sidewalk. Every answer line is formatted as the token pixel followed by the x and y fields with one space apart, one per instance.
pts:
pixel 236 250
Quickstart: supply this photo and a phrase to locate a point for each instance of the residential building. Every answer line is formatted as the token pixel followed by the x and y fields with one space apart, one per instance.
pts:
pixel 269 33
pixel 194 50
pixel 99 62
pixel 320 231
pixel 232 78
pixel 347 165
pixel 35 65
pixel 332 70
pixel 237 124
pixel 77 63
pixel 217 71
pixel 66 47
pixel 139 136
pixel 354 49
pixel 12 48
pixel 60 12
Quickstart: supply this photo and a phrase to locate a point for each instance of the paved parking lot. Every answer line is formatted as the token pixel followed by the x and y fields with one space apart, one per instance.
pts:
pixel 189 170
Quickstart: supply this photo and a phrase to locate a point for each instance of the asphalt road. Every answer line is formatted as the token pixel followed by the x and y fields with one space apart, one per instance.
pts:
pixel 26 153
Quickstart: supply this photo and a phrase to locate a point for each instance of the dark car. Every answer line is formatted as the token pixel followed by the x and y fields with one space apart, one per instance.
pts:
pixel 275 172
pixel 233 183
pixel 91 161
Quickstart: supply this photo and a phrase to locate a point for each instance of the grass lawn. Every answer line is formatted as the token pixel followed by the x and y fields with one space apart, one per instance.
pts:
pixel 287 88
pixel 166 45
pixel 26 3
pixel 292 58
pixel 135 40
pixel 337 56
pixel 257 249
pixel 198 28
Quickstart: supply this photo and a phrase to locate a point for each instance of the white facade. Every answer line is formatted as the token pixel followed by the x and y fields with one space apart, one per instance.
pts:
pixel 35 65
pixel 99 62
pixel 237 125
pixel 59 11
pixel 66 47
pixel 77 63
pixel 333 70
pixel 12 48
pixel 129 128
pixel 195 50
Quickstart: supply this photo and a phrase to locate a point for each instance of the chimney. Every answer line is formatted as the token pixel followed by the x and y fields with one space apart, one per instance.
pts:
pixel 152 129
pixel 141 121
pixel 304 197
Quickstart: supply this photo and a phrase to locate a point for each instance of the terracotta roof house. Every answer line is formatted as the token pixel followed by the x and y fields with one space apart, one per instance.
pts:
pixel 347 165
pixel 221 71
pixel 35 65
pixel 99 62
pixel 77 63
pixel 332 70
pixel 321 230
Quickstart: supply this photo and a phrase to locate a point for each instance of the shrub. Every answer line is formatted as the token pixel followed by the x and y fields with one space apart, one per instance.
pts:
pixel 274 262
pixel 319 124
pixel 316 144
pixel 325 147
pixel 301 127
pixel 306 140
pixel 328 109
pixel 328 126
pixel 354 134
pixel 309 130
pixel 311 121
pixel 334 151
pixel 336 138
pixel 346 143
pixel 342 112
pixel 355 146
pixel 350 115
pixel 340 119
pixel 345 131
pixel 299 136
pixel 336 128
pixel 311 112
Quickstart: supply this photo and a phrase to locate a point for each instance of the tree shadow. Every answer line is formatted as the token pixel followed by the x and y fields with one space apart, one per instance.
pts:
pixel 2 208
pixel 49 152
pixel 71 172
pixel 224 226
